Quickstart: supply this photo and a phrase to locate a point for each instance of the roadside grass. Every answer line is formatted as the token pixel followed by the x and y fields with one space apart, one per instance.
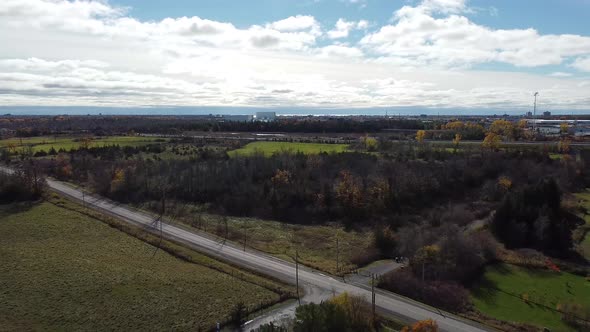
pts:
pixel 583 201
pixel 500 292
pixel 64 270
pixel 268 148
pixel 45 143
pixel 316 245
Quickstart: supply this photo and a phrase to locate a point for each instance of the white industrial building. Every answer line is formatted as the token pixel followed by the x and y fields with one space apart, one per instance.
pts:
pixel 265 116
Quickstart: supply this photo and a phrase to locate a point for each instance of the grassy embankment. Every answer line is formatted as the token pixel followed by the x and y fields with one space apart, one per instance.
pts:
pixel 502 288
pixel 65 270
pixel 584 205
pixel 316 245
pixel 268 148
pixel 45 143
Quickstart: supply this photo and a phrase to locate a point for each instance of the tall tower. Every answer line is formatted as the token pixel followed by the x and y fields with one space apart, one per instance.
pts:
pixel 535 112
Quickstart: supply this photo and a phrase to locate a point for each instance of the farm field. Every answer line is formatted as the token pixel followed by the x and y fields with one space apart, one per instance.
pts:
pixel 316 245
pixel 45 143
pixel 62 270
pixel 268 148
pixel 541 286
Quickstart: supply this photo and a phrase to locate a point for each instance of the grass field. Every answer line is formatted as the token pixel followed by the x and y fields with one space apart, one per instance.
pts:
pixel 268 148
pixel 45 143
pixel 316 245
pixel 64 271
pixel 545 287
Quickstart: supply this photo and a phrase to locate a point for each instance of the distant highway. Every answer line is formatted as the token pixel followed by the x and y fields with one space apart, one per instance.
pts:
pixel 314 282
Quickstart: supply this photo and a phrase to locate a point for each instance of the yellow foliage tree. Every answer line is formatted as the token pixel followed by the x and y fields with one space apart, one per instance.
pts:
pixel 492 141
pixel 564 128
pixel 370 143
pixel 503 128
pixel 564 146
pixel 356 308
pixel 454 125
pixel 281 177
pixel 118 179
pixel 504 183
pixel 422 326
pixel 421 135
pixel 457 140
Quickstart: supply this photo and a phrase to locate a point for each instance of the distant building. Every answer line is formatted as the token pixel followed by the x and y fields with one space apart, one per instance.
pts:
pixel 529 114
pixel 237 118
pixel 265 116
pixel 546 114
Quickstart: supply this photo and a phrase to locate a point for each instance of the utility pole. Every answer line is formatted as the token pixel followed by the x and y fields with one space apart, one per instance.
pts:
pixel 297 275
pixel 373 296
pixel 535 112
pixel 337 256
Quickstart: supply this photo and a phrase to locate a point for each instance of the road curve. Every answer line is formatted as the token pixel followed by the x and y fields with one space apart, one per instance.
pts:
pixel 387 303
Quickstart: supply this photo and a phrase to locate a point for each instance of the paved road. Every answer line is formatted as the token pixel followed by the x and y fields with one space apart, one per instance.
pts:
pixel 313 281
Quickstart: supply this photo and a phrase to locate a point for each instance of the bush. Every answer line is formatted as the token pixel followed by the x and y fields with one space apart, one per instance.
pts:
pixel 20 187
pixel 445 295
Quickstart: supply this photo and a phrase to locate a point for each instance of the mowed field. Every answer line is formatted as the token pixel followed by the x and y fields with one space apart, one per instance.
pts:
pixel 64 271
pixel 498 295
pixel 45 143
pixel 268 148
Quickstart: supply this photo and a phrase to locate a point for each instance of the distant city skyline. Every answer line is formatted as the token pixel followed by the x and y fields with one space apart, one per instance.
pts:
pixel 331 56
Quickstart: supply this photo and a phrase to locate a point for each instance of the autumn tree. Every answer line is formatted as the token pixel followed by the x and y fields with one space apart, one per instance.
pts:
pixel 456 141
pixel 564 146
pixel 422 326
pixel 421 135
pixel 504 128
pixel 86 142
pixel 349 194
pixel 504 183
pixel 492 141
pixel 370 143
pixel 564 128
pixel 423 257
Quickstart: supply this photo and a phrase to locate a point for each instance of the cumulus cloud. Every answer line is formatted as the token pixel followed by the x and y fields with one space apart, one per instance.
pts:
pixel 420 36
pixel 58 52
pixel 343 28
pixel 582 64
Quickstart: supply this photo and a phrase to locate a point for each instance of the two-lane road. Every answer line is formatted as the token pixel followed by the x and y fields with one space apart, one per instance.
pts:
pixel 271 266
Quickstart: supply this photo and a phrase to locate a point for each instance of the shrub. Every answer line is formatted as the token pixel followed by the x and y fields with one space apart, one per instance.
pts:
pixel 445 295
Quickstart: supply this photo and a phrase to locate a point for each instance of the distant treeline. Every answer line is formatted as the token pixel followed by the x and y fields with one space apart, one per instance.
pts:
pixel 110 125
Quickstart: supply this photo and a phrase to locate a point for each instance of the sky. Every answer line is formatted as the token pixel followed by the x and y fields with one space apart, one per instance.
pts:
pixel 310 54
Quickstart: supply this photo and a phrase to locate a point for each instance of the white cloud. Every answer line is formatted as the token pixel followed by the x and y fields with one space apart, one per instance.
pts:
pixel 343 28
pixel 360 3
pixel 452 40
pixel 560 74
pixel 58 52
pixel 582 64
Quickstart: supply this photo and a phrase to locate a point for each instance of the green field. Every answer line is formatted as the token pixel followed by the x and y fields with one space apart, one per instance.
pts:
pixel 45 143
pixel 65 271
pixel 316 244
pixel 268 148
pixel 541 286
